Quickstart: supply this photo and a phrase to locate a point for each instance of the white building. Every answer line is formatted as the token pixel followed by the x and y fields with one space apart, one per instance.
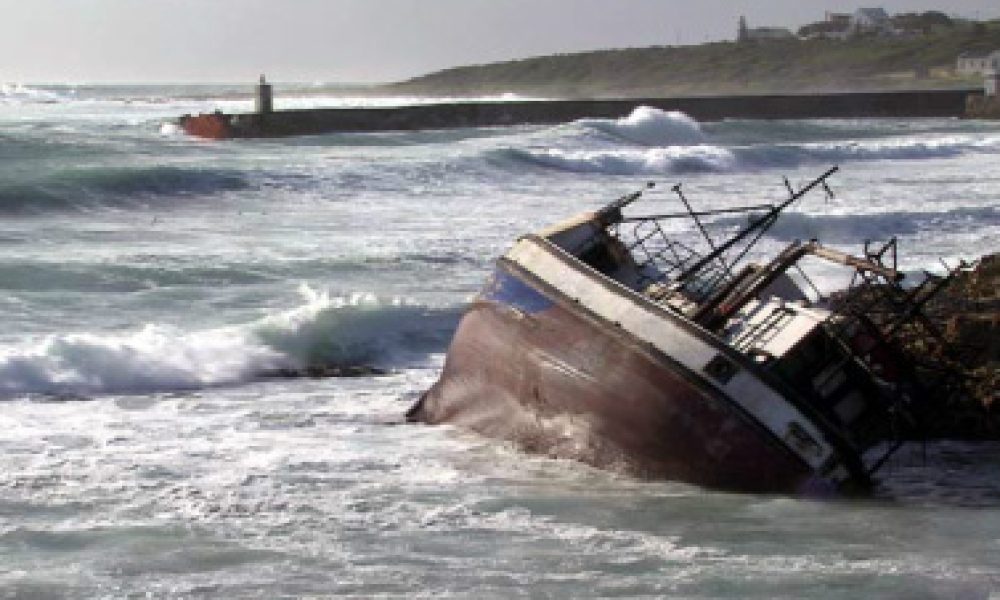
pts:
pixel 978 64
pixel 871 20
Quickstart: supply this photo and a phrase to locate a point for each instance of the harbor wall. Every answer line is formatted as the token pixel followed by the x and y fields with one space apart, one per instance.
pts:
pixel 983 107
pixel 936 103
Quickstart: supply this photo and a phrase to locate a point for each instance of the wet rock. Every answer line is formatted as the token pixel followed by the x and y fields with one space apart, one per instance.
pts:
pixel 955 352
pixel 972 311
pixel 967 313
pixel 326 371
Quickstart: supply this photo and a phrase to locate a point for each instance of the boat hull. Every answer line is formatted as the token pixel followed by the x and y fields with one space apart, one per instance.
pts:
pixel 213 126
pixel 533 367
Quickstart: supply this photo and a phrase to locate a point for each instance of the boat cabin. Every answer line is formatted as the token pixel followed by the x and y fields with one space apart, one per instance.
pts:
pixel 760 311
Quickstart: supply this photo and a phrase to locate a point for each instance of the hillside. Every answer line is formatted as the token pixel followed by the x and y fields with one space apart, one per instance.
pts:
pixel 779 66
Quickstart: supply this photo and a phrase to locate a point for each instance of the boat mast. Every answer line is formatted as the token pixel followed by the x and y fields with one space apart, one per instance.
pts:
pixel 760 225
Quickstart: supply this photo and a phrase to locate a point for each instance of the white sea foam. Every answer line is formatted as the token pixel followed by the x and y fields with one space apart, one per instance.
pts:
pixel 651 161
pixel 650 126
pixel 213 493
pixel 170 129
pixel 717 158
pixel 325 330
pixel 307 101
pixel 880 225
pixel 902 148
pixel 18 93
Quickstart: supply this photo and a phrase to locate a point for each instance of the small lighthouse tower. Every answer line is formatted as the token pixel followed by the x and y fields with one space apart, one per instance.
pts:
pixel 264 102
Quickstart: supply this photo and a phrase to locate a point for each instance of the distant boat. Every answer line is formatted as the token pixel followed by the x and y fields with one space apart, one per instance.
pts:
pixel 603 340
pixel 213 126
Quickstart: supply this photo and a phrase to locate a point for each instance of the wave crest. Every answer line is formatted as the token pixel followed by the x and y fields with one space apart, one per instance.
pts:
pixel 326 330
pixel 650 126
pixel 652 161
pixel 18 93
pixel 715 158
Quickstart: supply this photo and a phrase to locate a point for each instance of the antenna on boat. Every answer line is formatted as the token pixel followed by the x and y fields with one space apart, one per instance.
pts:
pixel 826 188
pixel 694 216
pixel 829 192
pixel 759 225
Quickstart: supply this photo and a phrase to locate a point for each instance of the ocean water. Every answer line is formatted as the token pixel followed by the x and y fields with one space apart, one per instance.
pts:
pixel 150 283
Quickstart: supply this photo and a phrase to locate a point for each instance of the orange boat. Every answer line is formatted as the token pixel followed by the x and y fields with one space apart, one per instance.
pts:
pixel 214 126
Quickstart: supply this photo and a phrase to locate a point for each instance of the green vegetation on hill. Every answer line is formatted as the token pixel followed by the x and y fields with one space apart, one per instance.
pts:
pixel 779 66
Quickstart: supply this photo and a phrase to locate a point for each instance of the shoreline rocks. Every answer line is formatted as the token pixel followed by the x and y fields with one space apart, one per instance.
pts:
pixel 967 315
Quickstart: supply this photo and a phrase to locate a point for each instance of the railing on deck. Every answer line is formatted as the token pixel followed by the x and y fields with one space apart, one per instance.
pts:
pixel 661 258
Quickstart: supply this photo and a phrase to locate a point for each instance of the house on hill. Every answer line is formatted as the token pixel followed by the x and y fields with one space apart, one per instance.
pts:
pixel 978 63
pixel 842 26
pixel 841 20
pixel 871 21
pixel 835 26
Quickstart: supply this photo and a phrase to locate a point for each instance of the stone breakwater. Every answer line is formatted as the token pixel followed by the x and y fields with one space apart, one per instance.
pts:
pixel 983 107
pixel 933 103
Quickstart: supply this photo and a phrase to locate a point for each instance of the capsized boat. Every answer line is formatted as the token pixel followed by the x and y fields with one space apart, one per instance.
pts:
pixel 604 339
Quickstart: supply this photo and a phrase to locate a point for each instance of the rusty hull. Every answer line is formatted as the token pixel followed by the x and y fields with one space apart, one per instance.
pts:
pixel 534 368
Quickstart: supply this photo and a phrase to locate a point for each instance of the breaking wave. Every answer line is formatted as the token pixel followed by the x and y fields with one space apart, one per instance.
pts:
pixel 790 155
pixel 651 127
pixel 651 161
pixel 324 331
pixel 112 186
pixel 18 93
pixel 715 158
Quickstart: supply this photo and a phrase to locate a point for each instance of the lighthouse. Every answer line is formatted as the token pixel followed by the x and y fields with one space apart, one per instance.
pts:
pixel 264 103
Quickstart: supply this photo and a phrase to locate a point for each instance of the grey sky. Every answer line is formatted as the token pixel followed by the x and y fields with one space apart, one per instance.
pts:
pixel 363 40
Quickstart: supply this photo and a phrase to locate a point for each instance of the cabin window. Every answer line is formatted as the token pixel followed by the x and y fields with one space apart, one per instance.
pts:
pixel 599 258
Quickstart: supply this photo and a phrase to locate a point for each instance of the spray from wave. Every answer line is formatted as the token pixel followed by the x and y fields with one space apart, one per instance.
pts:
pixel 296 100
pixel 651 127
pixel 326 330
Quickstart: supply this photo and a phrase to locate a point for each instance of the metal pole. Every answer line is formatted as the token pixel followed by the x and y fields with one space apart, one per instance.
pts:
pixel 701 227
pixel 764 223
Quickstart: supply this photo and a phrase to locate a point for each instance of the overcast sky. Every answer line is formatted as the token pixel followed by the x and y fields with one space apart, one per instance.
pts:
pixel 363 40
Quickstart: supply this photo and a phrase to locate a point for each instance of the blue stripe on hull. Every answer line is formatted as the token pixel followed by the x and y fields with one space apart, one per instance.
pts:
pixel 505 288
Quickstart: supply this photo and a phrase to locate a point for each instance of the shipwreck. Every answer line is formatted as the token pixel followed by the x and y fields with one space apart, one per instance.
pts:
pixel 604 339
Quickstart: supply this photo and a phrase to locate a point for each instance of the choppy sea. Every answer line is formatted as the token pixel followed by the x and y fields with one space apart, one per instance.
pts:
pixel 149 282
